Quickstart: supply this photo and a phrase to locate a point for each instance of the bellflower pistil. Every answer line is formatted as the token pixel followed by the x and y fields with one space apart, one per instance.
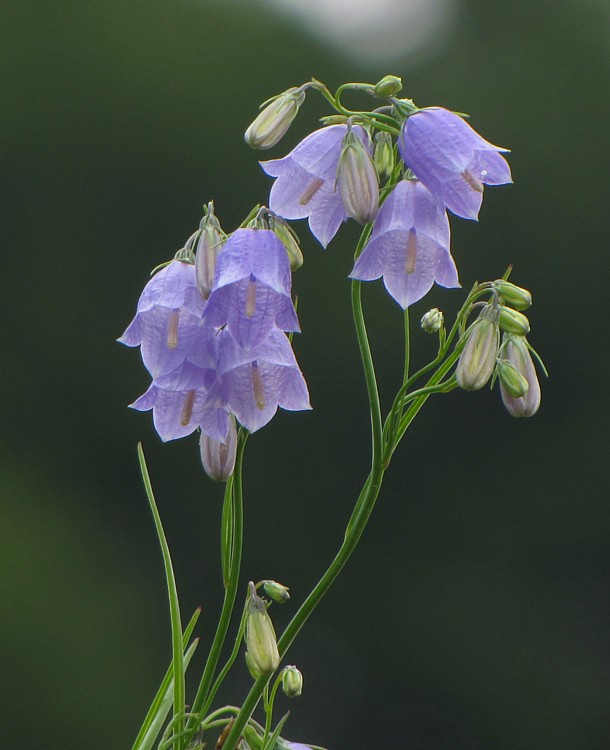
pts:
pixel 452 160
pixel 409 245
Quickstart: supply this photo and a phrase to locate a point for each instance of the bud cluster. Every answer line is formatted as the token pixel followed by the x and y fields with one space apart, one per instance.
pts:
pixel 508 360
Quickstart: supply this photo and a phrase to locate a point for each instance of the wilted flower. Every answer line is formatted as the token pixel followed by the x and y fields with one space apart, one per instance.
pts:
pixel 516 351
pixel 218 457
pixel 272 123
pixel 452 159
pixel 251 292
pixel 167 319
pixel 409 245
pixel 478 359
pixel 357 180
pixel 305 187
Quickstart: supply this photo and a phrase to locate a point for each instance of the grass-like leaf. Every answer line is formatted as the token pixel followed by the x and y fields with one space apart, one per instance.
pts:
pixel 158 708
pixel 174 607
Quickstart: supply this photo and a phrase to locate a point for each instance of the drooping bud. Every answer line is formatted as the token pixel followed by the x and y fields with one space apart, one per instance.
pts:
pixel 511 378
pixel 357 180
pixel 383 156
pixel 277 591
pixel 513 295
pixel 515 322
pixel 388 86
pixel 292 682
pixel 284 231
pixel 516 351
pixel 272 123
pixel 432 321
pixel 478 359
pixel 262 656
pixel 218 459
pixel 209 244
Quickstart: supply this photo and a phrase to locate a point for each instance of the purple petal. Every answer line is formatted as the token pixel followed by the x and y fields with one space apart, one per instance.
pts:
pixel 215 423
pixel 491 168
pixel 133 333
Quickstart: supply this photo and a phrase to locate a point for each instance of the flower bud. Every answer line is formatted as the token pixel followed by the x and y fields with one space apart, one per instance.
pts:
pixel 511 378
pixel 262 656
pixel 218 459
pixel 388 86
pixel 272 123
pixel 292 682
pixel 513 295
pixel 276 591
pixel 432 320
pixel 209 244
pixel 478 359
pixel 284 232
pixel 357 180
pixel 516 351
pixel 383 156
pixel 515 322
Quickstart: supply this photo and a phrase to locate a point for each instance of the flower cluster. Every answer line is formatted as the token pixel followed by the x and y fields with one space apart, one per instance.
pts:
pixel 333 175
pixel 217 350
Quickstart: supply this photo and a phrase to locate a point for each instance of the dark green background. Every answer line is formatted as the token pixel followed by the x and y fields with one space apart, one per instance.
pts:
pixel 475 613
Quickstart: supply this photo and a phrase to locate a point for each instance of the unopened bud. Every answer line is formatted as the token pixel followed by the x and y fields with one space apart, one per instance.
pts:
pixel 513 295
pixel 262 656
pixel 357 180
pixel 218 459
pixel 432 320
pixel 388 86
pixel 478 359
pixel 272 123
pixel 515 322
pixel 292 682
pixel 284 232
pixel 516 351
pixel 209 244
pixel 276 591
pixel 383 156
pixel 511 379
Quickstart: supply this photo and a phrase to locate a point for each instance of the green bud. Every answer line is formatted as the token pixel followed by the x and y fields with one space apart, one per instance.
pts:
pixel 514 382
pixel 478 359
pixel 252 737
pixel 334 119
pixel 209 243
pixel 262 656
pixel 383 156
pixel 286 234
pixel 276 591
pixel 513 295
pixel 272 123
pixel 388 86
pixel 357 180
pixel 292 682
pixel 515 322
pixel 432 321
pixel 516 352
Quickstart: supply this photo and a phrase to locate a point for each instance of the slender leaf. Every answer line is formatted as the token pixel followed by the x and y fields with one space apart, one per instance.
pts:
pixel 174 607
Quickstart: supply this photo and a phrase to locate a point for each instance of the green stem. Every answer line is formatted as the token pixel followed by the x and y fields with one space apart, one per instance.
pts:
pixel 231 588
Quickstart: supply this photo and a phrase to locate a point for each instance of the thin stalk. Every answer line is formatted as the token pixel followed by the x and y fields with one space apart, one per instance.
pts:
pixel 231 589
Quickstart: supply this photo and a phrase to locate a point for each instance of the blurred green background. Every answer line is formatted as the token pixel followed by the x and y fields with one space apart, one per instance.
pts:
pixel 474 615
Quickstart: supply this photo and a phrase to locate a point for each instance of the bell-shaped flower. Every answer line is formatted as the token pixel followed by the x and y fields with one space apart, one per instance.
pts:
pixel 252 384
pixel 251 292
pixel 305 185
pixel 167 319
pixel 409 245
pixel 452 160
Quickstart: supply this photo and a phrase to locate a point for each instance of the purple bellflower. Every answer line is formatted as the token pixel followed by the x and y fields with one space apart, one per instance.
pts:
pixel 253 384
pixel 251 291
pixel 167 319
pixel 409 245
pixel 306 181
pixel 452 160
